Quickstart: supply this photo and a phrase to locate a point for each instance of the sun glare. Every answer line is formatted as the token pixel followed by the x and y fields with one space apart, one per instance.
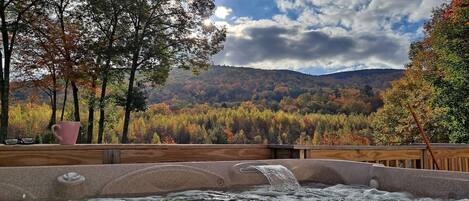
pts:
pixel 207 23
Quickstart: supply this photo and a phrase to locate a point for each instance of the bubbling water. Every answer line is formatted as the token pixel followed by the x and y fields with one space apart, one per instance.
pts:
pixel 283 187
pixel 313 192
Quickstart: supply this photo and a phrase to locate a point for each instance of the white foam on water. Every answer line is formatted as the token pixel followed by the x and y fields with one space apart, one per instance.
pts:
pixel 313 192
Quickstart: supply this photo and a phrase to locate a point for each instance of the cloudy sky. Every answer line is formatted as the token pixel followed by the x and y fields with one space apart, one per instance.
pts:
pixel 320 36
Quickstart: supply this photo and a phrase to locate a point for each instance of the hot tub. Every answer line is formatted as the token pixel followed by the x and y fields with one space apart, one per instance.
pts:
pixel 133 180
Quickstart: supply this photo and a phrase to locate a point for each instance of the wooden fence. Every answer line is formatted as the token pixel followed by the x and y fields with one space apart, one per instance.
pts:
pixel 448 156
pixel 452 157
pixel 37 155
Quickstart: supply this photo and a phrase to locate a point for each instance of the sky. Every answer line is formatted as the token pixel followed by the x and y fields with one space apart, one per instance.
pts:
pixel 320 36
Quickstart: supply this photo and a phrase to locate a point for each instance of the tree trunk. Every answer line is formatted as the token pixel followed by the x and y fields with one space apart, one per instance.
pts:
pixel 65 100
pixel 102 112
pixel 53 102
pixel 5 76
pixel 91 112
pixel 76 103
pixel 128 102
pixel 105 78
pixel 54 111
pixel 2 136
pixel 5 89
pixel 102 103
pixel 76 108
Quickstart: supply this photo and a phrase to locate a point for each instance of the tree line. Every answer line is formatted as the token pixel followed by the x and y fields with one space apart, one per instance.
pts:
pixel 205 124
pixel 56 45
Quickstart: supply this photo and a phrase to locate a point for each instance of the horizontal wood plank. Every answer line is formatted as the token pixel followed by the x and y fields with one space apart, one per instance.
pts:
pixel 38 147
pixel 365 155
pixel 449 156
pixel 372 147
pixel 58 157
pixel 450 153
pixel 202 154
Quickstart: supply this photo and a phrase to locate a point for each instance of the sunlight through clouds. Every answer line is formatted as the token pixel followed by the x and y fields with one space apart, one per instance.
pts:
pixel 222 12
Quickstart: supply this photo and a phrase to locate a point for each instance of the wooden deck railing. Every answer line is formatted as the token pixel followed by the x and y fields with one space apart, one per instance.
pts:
pixel 37 155
pixel 453 157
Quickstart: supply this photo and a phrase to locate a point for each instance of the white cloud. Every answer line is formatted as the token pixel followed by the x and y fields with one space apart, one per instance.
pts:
pixel 222 24
pixel 359 15
pixel 222 12
pixel 273 44
pixel 286 5
pixel 327 34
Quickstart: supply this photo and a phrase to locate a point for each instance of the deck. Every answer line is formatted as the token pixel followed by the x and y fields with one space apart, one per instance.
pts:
pixel 452 157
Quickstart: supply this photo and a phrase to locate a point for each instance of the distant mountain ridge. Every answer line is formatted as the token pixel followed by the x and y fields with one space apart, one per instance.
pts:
pixel 221 84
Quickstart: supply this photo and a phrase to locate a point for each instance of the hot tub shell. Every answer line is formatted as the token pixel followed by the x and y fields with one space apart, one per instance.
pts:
pixel 123 180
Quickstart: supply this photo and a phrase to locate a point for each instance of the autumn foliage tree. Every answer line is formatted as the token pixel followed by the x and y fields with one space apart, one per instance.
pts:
pixel 85 43
pixel 435 83
pixel 447 43
pixel 165 35
pixel 39 69
pixel 393 123
pixel 57 33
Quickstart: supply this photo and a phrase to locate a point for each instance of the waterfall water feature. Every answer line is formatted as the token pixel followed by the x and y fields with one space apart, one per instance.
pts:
pixel 280 178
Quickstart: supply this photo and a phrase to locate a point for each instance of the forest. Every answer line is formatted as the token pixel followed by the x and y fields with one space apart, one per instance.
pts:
pixel 232 85
pixel 87 45
pixel 178 98
pixel 204 124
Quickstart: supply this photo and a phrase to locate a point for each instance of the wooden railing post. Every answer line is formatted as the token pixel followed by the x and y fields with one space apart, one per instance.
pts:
pixel 302 153
pixel 288 151
pixel 116 156
pixel 423 159
pixel 107 156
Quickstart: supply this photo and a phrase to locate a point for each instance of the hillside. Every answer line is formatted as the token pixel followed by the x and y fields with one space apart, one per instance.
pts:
pixel 345 92
pixel 221 84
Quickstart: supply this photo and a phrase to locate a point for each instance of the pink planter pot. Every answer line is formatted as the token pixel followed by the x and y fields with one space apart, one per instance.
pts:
pixel 66 132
